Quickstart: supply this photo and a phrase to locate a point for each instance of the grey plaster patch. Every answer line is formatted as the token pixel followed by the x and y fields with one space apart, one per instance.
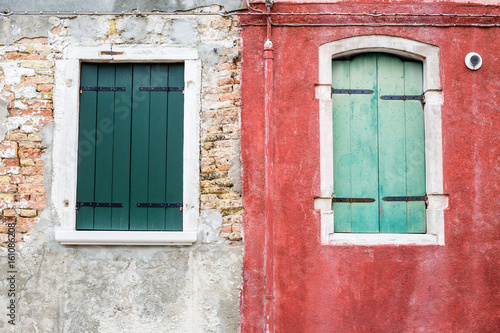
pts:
pixel 132 28
pixel 14 28
pixel 182 32
pixel 209 51
pixel 211 222
pixel 82 29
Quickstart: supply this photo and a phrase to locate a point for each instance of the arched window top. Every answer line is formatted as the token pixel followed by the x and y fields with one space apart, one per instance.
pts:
pixel 401 47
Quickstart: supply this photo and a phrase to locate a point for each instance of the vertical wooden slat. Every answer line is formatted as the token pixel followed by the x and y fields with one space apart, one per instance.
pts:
pixel 392 144
pixel 415 148
pixel 342 157
pixel 86 147
pixel 175 135
pixel 157 146
pixel 121 144
pixel 139 148
pixel 104 146
pixel 364 159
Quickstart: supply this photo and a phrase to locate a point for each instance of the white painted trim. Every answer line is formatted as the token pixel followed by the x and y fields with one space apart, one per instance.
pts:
pixel 72 237
pixel 65 156
pixel 429 55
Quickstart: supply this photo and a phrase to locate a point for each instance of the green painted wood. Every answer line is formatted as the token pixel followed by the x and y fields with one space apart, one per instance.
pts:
pixel 342 158
pixel 121 148
pixel 364 162
pixel 175 146
pixel 392 144
pixel 139 166
pixel 415 148
pixel 86 147
pixel 378 145
pixel 104 146
pixel 157 146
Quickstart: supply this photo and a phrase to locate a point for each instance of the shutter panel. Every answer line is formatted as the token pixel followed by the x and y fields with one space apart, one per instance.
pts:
pixel 364 165
pixel 175 146
pixel 139 166
pixel 86 147
pixel 121 148
pixel 157 146
pixel 392 147
pixel 415 148
pixel 104 146
pixel 342 157
pixel 378 145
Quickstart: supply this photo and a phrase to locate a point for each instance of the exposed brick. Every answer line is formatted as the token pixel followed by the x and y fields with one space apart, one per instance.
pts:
pixel 17 179
pixel 31 188
pixel 8 149
pixel 8 188
pixel 21 56
pixel 6 196
pixel 19 197
pixel 34 179
pixel 4 179
pixel 37 40
pixel 30 153
pixel 26 221
pixel 28 213
pixel 11 161
pixel 32 171
pixel 9 212
pixel 44 87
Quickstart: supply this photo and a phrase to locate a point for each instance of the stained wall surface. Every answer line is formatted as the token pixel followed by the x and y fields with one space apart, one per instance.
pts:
pixel 383 288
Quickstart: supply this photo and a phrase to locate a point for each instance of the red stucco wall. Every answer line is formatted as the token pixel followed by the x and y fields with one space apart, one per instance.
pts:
pixel 326 288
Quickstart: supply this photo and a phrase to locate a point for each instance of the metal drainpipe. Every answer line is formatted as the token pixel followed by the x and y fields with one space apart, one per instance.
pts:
pixel 269 303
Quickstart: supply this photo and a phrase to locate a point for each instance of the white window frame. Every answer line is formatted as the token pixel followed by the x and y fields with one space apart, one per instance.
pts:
pixel 438 202
pixel 65 151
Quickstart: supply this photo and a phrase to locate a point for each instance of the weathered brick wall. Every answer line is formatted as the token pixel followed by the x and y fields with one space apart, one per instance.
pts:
pixel 26 84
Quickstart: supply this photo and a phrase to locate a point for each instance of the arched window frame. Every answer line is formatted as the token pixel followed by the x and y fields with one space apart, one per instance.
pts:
pixel 429 56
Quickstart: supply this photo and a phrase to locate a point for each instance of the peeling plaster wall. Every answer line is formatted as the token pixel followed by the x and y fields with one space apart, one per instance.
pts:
pixel 124 288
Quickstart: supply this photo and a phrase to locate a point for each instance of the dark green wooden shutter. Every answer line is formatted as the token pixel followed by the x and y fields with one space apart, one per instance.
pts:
pixel 130 146
pixel 378 145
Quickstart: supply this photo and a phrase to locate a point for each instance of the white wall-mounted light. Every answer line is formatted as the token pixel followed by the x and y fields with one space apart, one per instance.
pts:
pixel 473 61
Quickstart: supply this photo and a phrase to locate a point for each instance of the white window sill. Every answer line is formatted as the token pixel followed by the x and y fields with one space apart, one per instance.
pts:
pixel 383 239
pixel 73 237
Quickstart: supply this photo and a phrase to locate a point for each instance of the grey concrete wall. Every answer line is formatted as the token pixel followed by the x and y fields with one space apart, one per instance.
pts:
pixel 123 288
pixel 118 5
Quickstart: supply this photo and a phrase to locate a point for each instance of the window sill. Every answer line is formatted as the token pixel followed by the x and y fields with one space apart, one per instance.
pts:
pixel 382 239
pixel 73 237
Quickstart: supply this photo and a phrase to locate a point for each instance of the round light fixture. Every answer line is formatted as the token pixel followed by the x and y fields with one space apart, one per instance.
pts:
pixel 473 61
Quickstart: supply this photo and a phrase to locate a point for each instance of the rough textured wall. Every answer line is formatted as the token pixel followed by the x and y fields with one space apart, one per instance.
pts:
pixel 109 289
pixel 326 288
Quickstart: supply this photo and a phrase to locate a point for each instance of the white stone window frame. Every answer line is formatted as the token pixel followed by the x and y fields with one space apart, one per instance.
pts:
pixel 65 143
pixel 437 202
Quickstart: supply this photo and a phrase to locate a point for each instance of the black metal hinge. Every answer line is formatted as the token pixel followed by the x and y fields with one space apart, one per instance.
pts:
pixel 98 204
pixel 422 198
pixel 349 200
pixel 89 88
pixel 402 97
pixel 159 205
pixel 351 91
pixel 161 88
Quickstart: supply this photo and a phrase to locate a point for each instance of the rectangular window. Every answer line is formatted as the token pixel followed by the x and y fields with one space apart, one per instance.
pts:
pixel 378 145
pixel 130 147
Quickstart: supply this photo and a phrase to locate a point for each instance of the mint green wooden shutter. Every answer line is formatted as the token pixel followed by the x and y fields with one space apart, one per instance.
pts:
pixel 130 146
pixel 378 145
